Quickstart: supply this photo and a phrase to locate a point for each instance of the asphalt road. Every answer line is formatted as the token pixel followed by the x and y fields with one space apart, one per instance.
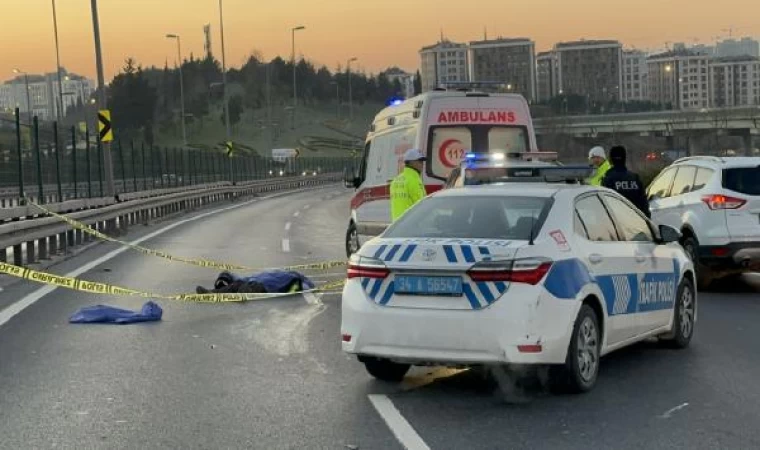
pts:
pixel 270 374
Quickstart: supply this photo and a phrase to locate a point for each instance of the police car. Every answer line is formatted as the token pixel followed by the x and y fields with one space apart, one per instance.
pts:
pixel 543 274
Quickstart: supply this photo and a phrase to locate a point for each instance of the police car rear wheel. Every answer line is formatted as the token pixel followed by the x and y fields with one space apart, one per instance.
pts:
pixel 581 368
pixel 684 315
pixel 352 240
pixel 385 370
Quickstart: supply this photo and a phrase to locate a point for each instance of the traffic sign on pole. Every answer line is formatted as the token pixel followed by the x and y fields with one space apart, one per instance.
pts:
pixel 104 125
pixel 228 146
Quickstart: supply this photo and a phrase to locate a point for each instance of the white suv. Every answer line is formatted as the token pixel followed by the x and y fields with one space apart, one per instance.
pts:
pixel 715 202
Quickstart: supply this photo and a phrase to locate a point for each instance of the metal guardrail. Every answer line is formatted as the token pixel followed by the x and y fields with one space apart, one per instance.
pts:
pixel 31 236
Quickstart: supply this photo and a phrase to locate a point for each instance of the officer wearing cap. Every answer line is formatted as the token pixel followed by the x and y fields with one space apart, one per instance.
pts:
pixel 599 161
pixel 626 183
pixel 407 188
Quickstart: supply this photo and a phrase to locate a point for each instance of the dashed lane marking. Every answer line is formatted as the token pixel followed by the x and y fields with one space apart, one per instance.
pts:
pixel 287 226
pixel 286 245
pixel 297 213
pixel 400 428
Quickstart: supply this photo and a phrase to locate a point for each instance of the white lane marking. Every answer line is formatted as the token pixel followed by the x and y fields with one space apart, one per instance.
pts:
pixel 297 213
pixel 28 300
pixel 287 226
pixel 396 422
pixel 286 245
pixel 306 206
pixel 670 412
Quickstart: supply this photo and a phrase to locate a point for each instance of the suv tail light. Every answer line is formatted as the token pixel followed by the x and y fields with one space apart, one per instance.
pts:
pixel 362 267
pixel 527 270
pixel 718 201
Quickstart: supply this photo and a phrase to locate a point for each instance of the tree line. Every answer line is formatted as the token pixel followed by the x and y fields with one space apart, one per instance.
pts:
pixel 148 99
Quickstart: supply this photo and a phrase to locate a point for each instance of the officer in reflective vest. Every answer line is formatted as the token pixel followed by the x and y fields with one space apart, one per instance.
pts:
pixel 407 188
pixel 599 161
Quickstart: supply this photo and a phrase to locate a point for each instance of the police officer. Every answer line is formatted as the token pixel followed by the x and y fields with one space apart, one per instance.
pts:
pixel 407 188
pixel 626 183
pixel 598 160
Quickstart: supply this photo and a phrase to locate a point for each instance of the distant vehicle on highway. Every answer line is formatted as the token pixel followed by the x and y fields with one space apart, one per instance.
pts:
pixel 715 203
pixel 538 274
pixel 444 125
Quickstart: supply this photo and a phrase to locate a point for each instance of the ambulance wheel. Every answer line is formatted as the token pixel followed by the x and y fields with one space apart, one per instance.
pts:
pixel 352 240
pixel 581 368
pixel 385 370
pixel 684 317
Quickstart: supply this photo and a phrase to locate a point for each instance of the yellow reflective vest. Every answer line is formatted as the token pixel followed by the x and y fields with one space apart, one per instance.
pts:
pixel 406 190
pixel 601 171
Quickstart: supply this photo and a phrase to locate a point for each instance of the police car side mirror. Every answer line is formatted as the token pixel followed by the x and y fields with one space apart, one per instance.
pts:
pixel 668 234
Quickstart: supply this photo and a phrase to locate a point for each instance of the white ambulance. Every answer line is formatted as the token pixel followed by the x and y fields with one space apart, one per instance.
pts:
pixel 444 125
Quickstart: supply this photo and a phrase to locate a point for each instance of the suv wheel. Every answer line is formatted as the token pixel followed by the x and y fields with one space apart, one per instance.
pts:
pixel 385 370
pixel 704 275
pixel 581 368
pixel 684 317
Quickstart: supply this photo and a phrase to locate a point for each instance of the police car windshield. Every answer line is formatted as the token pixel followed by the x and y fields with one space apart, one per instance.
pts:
pixel 472 217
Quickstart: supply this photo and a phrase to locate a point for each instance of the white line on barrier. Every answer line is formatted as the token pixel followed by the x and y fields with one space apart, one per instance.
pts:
pixel 396 422
pixel 28 300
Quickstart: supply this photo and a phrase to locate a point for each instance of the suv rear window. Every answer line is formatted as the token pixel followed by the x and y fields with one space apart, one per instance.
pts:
pixel 745 180
pixel 472 217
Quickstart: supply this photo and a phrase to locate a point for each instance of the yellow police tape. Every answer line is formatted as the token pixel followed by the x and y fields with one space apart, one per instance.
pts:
pixel 94 287
pixel 199 262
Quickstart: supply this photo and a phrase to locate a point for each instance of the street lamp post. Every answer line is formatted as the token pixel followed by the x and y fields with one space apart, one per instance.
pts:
pixel 26 87
pixel 226 100
pixel 102 99
pixel 337 98
pixel 181 87
pixel 350 92
pixel 293 60
pixel 61 112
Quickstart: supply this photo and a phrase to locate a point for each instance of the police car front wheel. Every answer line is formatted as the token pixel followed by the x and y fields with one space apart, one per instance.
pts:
pixel 385 370
pixel 581 368
pixel 684 315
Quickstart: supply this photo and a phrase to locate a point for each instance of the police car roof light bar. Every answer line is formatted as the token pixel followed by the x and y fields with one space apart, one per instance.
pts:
pixel 501 156
pixel 543 174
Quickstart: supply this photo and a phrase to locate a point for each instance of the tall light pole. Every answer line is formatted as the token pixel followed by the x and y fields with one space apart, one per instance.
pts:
pixel 26 86
pixel 293 60
pixel 181 86
pixel 226 97
pixel 350 93
pixel 337 98
pixel 61 112
pixel 102 99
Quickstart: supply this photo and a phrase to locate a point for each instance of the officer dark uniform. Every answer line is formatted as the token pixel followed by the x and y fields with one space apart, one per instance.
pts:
pixel 624 182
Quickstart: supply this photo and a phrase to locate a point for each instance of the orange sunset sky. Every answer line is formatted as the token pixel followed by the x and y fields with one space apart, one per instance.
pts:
pixel 379 33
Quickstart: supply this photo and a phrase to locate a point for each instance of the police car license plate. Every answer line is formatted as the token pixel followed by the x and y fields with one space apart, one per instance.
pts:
pixel 420 285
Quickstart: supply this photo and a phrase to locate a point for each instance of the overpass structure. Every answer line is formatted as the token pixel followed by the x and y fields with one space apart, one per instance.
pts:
pixel 742 122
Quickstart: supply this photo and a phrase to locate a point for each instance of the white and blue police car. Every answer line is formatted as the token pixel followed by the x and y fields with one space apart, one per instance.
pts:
pixel 541 274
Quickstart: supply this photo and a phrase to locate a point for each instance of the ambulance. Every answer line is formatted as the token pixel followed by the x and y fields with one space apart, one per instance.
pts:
pixel 444 125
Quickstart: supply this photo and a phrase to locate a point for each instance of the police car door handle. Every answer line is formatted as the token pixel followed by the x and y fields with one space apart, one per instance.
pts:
pixel 595 258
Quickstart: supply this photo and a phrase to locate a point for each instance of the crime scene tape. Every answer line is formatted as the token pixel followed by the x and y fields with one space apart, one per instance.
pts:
pixel 199 262
pixel 94 287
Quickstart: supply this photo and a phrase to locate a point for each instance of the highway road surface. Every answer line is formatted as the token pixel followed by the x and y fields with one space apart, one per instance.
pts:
pixel 271 375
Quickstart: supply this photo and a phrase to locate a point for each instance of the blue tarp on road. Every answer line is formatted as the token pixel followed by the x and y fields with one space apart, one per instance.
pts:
pixel 150 312
pixel 275 281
